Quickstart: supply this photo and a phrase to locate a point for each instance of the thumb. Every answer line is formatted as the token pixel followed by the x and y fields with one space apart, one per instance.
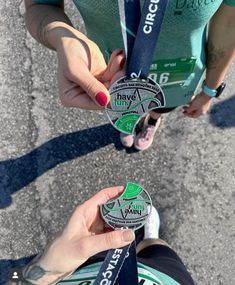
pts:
pixel 106 241
pixel 93 87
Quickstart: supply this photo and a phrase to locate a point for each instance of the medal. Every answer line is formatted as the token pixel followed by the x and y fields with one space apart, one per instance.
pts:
pixel 130 100
pixel 131 210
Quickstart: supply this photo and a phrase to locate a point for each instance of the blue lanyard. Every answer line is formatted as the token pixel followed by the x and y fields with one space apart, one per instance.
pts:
pixel 140 30
pixel 119 263
pixel 129 271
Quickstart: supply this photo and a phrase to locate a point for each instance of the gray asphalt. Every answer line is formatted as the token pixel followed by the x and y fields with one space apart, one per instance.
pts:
pixel 53 158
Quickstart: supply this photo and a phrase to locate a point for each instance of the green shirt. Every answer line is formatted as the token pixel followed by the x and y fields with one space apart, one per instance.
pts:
pixel 179 60
pixel 147 276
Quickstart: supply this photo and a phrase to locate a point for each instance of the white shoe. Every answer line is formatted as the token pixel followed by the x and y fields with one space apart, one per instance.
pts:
pixel 152 226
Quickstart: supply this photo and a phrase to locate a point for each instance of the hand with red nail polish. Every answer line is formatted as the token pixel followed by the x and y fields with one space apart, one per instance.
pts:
pixel 83 76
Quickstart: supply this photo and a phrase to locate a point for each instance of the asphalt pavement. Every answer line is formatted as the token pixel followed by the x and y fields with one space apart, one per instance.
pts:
pixel 53 158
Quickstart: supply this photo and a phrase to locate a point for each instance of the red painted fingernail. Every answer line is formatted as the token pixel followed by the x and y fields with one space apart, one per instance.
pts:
pixel 101 99
pixel 120 52
pixel 122 62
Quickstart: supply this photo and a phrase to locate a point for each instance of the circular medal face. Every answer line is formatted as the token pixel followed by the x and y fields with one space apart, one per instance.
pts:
pixel 131 99
pixel 130 210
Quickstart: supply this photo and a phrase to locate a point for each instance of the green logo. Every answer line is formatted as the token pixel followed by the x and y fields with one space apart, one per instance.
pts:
pixel 127 123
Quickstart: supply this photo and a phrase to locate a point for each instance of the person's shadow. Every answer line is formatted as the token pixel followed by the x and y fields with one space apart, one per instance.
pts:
pixel 222 114
pixel 19 172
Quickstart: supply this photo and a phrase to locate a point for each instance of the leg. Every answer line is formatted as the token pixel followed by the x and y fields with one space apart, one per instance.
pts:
pixel 154 115
pixel 157 255
pixel 147 242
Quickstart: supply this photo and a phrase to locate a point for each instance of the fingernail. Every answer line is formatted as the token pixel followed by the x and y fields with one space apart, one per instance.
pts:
pixel 128 235
pixel 122 62
pixel 101 99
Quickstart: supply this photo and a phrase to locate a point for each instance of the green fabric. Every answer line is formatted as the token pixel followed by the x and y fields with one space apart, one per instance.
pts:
pixel 229 2
pixel 179 59
pixel 48 2
pixel 147 276
pixel 183 35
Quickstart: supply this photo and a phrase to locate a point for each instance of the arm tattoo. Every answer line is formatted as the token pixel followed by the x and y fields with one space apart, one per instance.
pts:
pixel 34 274
pixel 213 55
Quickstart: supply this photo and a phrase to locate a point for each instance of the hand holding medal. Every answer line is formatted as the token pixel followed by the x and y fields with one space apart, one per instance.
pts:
pixel 130 210
pixel 134 95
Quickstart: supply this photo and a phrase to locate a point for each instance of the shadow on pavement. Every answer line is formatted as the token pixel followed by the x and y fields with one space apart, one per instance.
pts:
pixel 6 265
pixel 19 172
pixel 222 114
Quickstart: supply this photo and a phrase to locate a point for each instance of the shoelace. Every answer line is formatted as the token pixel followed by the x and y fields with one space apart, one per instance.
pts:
pixel 148 132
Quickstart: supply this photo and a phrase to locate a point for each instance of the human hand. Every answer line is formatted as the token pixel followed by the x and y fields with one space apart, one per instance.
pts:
pixel 85 235
pixel 199 105
pixel 83 76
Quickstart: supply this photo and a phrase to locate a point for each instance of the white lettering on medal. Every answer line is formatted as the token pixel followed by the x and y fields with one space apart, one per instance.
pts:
pixel 150 18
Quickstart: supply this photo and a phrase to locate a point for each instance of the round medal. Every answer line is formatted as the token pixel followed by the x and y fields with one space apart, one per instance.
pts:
pixel 131 99
pixel 130 210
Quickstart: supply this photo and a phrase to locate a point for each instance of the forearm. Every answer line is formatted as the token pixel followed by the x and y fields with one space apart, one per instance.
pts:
pixel 47 24
pixel 35 274
pixel 220 46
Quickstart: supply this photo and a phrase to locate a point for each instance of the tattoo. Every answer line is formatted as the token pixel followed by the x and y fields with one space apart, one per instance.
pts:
pixel 213 55
pixel 34 272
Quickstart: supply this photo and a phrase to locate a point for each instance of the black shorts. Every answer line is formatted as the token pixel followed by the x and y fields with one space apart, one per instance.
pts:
pixel 164 110
pixel 165 260
pixel 159 257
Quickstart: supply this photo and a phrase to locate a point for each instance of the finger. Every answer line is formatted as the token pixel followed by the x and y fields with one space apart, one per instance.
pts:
pixel 93 87
pixel 116 63
pixel 79 99
pixel 189 109
pixel 91 208
pixel 196 114
pixel 118 75
pixel 193 114
pixel 72 95
pixel 105 195
pixel 98 243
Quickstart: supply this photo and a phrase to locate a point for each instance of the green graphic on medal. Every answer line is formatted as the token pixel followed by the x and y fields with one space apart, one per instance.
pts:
pixel 130 210
pixel 130 100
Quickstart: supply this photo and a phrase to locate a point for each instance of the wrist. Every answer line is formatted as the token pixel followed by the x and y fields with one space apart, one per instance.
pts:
pixel 213 92
pixel 41 271
pixel 57 33
pixel 206 97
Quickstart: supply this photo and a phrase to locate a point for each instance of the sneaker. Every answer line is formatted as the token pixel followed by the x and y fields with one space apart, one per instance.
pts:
pixel 127 140
pixel 152 226
pixel 145 138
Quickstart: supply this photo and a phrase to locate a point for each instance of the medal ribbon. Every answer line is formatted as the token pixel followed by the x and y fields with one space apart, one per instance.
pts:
pixel 140 30
pixel 119 263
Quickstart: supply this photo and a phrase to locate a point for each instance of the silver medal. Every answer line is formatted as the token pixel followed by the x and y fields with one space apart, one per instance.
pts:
pixel 130 210
pixel 131 99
